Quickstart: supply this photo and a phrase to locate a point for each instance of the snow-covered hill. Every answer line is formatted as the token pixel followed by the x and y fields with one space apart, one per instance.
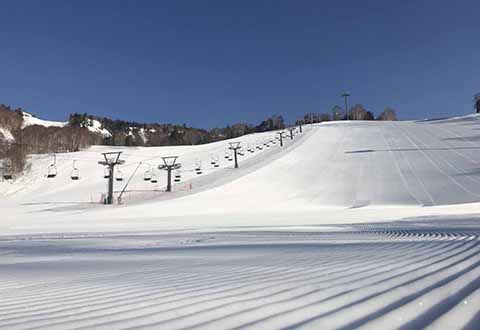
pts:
pixel 298 237
pixel 29 120
pixel 355 167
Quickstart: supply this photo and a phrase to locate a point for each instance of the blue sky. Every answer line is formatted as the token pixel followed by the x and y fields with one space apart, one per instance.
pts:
pixel 210 63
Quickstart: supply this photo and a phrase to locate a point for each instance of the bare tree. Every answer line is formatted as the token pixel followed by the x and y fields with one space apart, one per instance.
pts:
pixel 387 114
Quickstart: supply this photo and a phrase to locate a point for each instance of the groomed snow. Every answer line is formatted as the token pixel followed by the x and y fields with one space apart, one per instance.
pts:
pixel 351 225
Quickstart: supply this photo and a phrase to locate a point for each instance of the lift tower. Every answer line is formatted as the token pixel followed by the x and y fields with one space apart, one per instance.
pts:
pixel 291 129
pixel 169 164
pixel 111 160
pixel 235 146
pixel 281 135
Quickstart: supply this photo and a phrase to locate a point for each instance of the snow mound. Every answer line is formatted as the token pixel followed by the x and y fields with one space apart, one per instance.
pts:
pixel 30 120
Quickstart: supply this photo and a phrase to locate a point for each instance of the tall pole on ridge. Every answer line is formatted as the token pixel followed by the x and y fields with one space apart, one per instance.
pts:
pixel 345 95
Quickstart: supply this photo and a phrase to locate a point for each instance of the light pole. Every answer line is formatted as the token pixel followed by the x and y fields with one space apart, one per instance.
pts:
pixel 169 164
pixel 345 95
pixel 235 146
pixel 111 159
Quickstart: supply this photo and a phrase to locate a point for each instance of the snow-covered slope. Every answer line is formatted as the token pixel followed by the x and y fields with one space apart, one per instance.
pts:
pixel 29 120
pixel 337 164
pixel 275 244
pixel 6 135
pixel 348 171
pixel 95 126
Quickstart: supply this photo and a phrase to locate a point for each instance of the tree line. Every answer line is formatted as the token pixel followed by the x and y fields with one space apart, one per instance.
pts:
pixel 356 112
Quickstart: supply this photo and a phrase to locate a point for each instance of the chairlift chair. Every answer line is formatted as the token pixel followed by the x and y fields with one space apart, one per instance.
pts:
pixel 198 167
pixel 75 174
pixel 147 176
pixel 153 178
pixel 8 170
pixel 51 171
pixel 106 172
pixel 178 176
pixel 119 176
pixel 52 168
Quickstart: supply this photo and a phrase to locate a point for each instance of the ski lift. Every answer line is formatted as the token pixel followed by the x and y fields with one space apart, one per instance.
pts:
pixel 106 172
pixel 147 176
pixel 217 160
pixel 213 160
pixel 153 178
pixel 52 168
pixel 8 170
pixel 227 154
pixel 178 176
pixel 119 176
pixel 198 166
pixel 75 175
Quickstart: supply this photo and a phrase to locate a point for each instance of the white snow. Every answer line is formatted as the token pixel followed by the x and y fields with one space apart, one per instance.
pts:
pixel 29 120
pixel 6 135
pixel 351 225
pixel 143 135
pixel 95 126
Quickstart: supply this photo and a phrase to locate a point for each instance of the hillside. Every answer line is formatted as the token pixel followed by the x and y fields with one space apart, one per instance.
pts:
pixel 22 133
pixel 350 225
pixel 415 167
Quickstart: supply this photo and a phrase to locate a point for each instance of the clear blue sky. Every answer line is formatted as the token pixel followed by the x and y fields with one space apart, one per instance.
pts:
pixel 210 63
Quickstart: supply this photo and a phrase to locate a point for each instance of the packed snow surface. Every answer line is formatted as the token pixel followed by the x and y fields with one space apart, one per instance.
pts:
pixel 349 225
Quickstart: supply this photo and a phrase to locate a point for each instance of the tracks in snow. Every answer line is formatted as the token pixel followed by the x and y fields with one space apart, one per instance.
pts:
pixel 374 276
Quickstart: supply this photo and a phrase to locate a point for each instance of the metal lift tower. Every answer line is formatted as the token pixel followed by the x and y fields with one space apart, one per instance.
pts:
pixel 111 160
pixel 169 164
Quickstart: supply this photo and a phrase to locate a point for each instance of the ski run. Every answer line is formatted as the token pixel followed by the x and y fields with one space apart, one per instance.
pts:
pixel 349 225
